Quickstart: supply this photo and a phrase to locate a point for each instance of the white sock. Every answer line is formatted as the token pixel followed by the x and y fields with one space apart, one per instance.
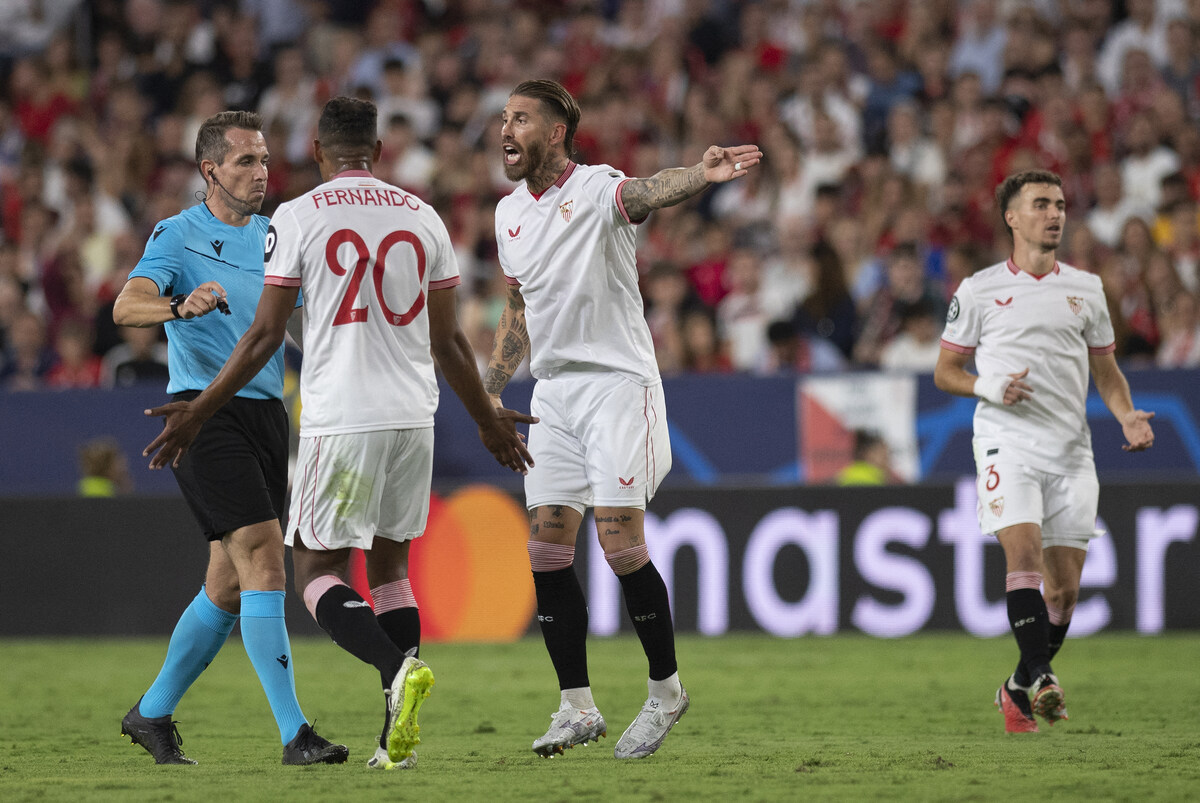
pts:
pixel 669 690
pixel 580 698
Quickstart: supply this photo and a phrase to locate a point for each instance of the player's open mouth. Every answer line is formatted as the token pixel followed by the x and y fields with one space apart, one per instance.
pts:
pixel 511 155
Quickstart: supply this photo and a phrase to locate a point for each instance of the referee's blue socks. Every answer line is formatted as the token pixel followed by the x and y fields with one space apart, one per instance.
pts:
pixel 265 636
pixel 197 638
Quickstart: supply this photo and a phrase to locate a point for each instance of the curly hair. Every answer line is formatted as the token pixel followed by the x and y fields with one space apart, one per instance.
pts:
pixel 348 123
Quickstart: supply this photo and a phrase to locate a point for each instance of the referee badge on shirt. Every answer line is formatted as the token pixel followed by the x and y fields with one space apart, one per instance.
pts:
pixel 1075 303
pixel 565 210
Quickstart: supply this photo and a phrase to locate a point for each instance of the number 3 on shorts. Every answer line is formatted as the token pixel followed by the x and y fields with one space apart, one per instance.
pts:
pixel 992 481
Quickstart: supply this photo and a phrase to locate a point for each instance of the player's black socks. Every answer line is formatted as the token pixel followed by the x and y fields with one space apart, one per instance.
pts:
pixel 1058 634
pixel 1020 676
pixel 1029 622
pixel 403 627
pixel 350 622
pixel 650 609
pixel 563 616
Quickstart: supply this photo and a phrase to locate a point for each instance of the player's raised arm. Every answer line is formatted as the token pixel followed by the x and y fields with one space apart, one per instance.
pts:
pixel 675 185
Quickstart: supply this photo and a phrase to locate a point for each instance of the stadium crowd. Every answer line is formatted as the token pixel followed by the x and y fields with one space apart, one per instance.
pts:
pixel 886 126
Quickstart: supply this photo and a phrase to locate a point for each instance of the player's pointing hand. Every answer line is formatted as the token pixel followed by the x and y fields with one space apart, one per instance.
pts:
pixel 725 164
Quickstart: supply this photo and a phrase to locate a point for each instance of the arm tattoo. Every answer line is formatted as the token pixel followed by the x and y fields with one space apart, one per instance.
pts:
pixel 511 346
pixel 495 380
pixel 664 188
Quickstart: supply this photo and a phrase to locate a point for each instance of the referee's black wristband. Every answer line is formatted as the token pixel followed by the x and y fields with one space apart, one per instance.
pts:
pixel 175 302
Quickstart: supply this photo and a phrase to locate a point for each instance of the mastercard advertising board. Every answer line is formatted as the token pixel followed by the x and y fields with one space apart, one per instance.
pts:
pixel 470 570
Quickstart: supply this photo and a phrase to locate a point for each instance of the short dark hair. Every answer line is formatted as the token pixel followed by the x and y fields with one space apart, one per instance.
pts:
pixel 81 168
pixel 210 139
pixel 557 101
pixel 831 191
pixel 780 332
pixel 905 250
pixel 864 441
pixel 1011 187
pixel 348 123
pixel 921 308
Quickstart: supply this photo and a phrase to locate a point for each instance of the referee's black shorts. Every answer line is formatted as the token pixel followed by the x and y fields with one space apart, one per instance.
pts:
pixel 235 473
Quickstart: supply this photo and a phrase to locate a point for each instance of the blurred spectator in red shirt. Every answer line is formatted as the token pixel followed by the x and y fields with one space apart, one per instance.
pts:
pixel 707 274
pixel 37 102
pixel 77 366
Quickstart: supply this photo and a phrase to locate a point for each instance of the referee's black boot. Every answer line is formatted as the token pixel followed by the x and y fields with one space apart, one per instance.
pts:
pixel 160 736
pixel 309 748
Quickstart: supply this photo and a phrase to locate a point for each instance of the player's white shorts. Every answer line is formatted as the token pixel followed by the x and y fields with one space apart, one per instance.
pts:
pixel 1010 493
pixel 602 441
pixel 351 488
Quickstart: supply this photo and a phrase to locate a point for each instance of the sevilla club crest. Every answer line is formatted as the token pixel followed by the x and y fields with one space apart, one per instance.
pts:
pixel 565 210
pixel 997 506
pixel 1075 303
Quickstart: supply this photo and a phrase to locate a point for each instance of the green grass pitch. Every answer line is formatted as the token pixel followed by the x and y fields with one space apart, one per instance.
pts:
pixel 841 718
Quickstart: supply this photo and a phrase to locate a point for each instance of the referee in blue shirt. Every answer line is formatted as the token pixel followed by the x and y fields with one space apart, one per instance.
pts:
pixel 210 258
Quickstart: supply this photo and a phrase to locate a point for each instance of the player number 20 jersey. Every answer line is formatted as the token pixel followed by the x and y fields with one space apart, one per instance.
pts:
pixel 366 255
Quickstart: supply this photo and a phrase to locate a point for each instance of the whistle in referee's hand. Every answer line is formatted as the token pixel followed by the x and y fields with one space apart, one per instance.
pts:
pixel 223 307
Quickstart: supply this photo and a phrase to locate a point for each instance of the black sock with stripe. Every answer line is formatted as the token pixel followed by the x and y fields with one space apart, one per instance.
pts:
pixel 563 617
pixel 650 609
pixel 1029 622
pixel 351 623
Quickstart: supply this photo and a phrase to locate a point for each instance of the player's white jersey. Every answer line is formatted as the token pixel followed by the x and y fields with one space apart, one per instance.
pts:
pixel 1011 320
pixel 366 254
pixel 571 250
